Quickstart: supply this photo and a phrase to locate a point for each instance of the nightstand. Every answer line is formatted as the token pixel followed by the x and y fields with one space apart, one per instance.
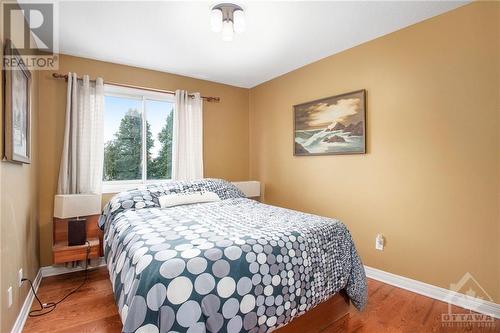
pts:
pixel 62 253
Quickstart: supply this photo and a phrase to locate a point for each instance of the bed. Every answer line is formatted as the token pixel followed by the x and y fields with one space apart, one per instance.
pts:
pixel 234 265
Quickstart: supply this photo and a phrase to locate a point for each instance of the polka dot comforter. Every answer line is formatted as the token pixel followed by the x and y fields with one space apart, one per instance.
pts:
pixel 234 265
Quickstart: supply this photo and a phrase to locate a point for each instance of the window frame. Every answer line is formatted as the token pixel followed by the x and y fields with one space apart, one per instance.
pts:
pixel 115 186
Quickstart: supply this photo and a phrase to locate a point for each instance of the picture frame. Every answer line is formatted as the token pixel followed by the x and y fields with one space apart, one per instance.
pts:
pixel 16 108
pixel 334 125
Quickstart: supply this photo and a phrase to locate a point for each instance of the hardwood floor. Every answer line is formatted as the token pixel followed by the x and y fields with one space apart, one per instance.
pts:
pixel 93 309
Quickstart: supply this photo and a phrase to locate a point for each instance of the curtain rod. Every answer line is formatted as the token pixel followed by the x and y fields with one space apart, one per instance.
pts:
pixel 206 98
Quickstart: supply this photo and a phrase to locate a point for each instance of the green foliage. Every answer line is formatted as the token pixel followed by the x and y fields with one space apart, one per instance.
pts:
pixel 161 166
pixel 122 155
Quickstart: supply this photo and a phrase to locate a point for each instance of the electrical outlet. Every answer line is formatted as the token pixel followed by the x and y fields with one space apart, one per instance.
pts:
pixel 20 277
pixel 9 297
pixel 379 242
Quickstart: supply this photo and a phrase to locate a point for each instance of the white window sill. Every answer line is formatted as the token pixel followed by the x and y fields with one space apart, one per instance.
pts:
pixel 125 185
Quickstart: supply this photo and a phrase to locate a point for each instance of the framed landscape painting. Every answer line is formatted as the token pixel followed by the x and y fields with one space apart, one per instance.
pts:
pixel 17 112
pixel 331 126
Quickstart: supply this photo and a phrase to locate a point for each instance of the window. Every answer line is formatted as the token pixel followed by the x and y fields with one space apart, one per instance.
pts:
pixel 137 137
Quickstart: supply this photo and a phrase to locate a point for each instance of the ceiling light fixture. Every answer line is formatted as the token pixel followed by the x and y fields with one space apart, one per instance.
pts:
pixel 227 18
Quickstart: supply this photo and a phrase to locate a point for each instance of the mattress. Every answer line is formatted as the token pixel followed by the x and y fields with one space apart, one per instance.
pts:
pixel 234 265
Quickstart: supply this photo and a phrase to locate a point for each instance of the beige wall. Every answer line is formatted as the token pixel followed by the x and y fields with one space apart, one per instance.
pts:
pixel 225 126
pixel 18 219
pixel 430 180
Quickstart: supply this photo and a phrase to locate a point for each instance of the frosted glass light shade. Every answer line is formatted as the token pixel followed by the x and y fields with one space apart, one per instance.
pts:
pixel 227 31
pixel 75 205
pixel 216 20
pixel 239 21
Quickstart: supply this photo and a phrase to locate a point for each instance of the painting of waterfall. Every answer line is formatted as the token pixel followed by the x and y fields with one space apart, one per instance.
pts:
pixel 331 126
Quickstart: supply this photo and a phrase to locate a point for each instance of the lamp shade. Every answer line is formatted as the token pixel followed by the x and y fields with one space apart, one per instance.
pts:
pixel 216 20
pixel 227 31
pixel 75 205
pixel 239 20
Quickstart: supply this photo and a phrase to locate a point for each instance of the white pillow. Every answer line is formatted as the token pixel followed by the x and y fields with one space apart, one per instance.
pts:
pixel 177 199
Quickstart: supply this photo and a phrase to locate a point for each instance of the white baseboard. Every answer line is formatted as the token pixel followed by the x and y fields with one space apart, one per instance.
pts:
pixel 61 269
pixel 25 309
pixel 441 294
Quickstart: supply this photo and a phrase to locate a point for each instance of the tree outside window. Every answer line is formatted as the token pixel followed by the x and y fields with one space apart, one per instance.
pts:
pixel 123 131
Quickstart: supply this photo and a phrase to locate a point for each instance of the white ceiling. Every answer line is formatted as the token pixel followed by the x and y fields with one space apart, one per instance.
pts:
pixel 280 36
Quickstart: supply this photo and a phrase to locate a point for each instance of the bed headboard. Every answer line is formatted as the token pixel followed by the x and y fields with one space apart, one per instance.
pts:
pixel 250 188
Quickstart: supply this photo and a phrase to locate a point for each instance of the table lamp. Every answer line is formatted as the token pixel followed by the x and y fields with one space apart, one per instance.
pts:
pixel 75 207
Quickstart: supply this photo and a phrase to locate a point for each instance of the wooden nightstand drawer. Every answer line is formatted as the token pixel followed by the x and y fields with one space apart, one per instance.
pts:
pixel 62 253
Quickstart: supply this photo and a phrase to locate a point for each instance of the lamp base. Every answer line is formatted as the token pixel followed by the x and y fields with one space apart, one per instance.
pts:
pixel 77 232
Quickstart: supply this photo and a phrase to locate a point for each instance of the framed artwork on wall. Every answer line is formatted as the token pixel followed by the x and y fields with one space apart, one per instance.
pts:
pixel 331 126
pixel 16 108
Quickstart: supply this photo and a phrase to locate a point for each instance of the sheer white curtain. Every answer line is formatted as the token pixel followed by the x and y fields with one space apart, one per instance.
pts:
pixel 187 138
pixel 82 156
